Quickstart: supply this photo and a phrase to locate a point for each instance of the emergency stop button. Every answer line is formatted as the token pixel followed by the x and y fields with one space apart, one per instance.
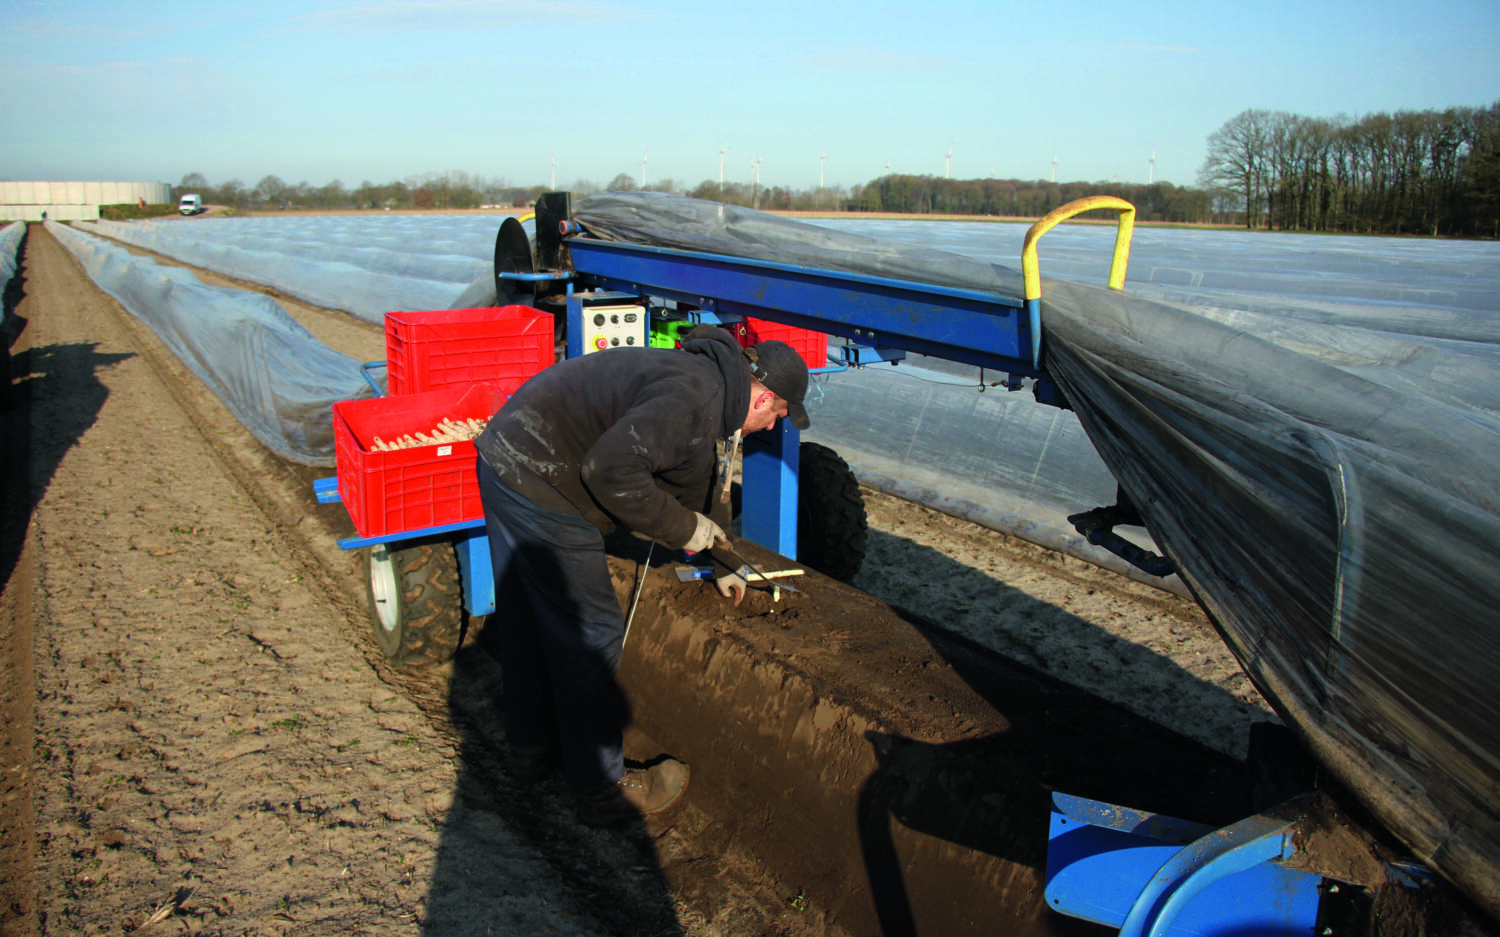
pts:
pixel 600 342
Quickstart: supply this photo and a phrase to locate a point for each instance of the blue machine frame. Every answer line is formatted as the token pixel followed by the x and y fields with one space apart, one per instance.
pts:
pixel 1147 873
pixel 881 319
pixel 966 326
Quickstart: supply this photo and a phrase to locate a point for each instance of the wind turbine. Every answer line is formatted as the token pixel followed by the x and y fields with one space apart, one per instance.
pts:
pixel 948 163
pixel 722 150
pixel 1151 178
pixel 554 171
pixel 644 160
pixel 1054 168
pixel 821 160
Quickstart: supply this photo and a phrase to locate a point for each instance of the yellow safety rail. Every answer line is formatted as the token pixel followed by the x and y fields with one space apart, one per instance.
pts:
pixel 1121 259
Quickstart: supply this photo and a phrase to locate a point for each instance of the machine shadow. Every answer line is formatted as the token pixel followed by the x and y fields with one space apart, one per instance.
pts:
pixel 970 606
pixel 992 794
pixel 514 857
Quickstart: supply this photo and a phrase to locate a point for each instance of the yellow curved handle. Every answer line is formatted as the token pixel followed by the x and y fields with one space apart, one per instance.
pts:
pixel 1121 259
pixel 526 217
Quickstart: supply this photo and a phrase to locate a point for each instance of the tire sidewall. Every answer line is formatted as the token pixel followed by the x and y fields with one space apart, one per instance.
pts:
pixel 416 602
pixel 831 523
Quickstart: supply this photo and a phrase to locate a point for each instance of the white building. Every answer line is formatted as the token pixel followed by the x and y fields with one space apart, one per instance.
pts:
pixel 75 201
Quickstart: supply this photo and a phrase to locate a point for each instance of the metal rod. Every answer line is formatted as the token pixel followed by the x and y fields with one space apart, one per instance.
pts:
pixel 640 584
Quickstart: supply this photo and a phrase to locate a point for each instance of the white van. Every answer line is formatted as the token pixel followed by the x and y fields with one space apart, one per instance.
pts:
pixel 190 204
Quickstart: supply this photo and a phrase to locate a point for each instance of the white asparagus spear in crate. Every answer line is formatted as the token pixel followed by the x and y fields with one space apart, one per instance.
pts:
pixel 447 430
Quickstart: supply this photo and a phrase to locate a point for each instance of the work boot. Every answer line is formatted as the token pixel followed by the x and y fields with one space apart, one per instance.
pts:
pixel 640 791
pixel 532 763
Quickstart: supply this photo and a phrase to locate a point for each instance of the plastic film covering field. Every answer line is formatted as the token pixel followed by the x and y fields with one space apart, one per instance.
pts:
pixel 272 374
pixel 10 245
pixel 1323 474
pixel 333 262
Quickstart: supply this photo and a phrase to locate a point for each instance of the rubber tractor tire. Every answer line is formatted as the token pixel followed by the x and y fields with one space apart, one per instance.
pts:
pixel 416 602
pixel 831 521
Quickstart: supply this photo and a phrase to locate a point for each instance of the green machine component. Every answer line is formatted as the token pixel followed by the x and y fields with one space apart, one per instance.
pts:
pixel 666 333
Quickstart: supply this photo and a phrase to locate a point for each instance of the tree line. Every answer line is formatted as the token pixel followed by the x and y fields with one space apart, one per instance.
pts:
pixel 891 193
pixel 439 191
pixel 1160 201
pixel 1411 172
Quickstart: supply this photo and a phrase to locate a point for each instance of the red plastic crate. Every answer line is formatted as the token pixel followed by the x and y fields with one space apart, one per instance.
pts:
pixel 812 346
pixel 500 345
pixel 409 489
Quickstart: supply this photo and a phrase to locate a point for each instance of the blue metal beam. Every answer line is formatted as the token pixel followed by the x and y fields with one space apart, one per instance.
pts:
pixel 968 326
pixel 769 517
pixel 475 571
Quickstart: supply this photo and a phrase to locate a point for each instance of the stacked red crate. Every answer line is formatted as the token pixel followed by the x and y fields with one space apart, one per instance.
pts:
pixel 391 491
pixel 500 345
pixel 812 346
pixel 441 364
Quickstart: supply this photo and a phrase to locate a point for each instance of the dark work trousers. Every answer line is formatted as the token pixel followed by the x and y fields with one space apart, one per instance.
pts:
pixel 561 630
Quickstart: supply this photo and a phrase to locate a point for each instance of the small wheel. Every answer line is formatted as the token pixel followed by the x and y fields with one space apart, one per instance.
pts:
pixel 416 602
pixel 831 522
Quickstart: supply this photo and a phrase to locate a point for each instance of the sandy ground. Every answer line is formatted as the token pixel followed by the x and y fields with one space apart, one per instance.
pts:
pixel 216 750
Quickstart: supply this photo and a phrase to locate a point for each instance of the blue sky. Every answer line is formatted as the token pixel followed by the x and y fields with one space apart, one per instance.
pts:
pixel 382 90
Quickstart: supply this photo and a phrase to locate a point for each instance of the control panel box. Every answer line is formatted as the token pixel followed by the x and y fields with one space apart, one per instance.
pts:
pixel 614 327
pixel 600 321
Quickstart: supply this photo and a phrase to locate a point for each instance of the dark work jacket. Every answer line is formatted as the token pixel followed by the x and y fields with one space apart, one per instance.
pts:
pixel 623 436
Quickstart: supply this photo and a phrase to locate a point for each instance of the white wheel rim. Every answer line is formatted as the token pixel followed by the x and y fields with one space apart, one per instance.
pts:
pixel 384 595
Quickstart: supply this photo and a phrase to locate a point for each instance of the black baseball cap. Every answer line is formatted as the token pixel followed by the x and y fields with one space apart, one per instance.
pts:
pixel 778 366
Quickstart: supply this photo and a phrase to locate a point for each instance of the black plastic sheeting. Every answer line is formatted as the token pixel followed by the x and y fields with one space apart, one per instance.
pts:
pixel 1324 475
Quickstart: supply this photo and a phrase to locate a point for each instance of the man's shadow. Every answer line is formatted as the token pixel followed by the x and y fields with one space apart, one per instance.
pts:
pixel 515 858
pixel 49 397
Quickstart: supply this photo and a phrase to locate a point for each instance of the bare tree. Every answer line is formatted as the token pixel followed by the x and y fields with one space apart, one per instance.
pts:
pixel 332 195
pixel 1236 160
pixel 231 193
pixel 270 190
pixel 1480 171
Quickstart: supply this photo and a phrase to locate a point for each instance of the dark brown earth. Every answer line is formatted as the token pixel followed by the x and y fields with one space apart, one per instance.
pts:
pixel 201 738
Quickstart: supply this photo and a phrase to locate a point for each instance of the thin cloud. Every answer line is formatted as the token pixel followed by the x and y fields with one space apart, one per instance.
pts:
pixel 393 16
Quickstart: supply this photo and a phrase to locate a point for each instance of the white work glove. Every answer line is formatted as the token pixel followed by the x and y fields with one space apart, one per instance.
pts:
pixel 731 586
pixel 705 535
